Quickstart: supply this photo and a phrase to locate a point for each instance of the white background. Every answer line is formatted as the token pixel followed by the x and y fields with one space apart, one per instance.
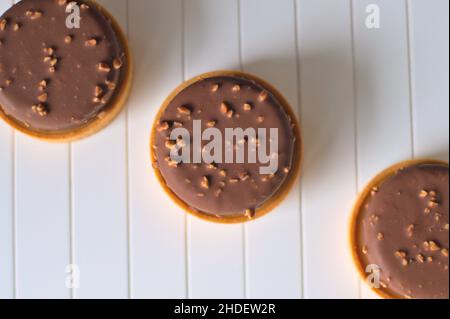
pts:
pixel 367 99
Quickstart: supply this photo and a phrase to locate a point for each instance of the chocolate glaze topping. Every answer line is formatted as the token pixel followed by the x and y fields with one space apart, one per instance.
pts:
pixel 403 229
pixel 53 78
pixel 224 189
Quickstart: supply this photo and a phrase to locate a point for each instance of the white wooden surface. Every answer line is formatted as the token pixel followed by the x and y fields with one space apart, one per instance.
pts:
pixel 367 98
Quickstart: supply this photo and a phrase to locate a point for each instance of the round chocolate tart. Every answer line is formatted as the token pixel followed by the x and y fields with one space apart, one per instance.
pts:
pixel 221 190
pixel 400 231
pixel 65 68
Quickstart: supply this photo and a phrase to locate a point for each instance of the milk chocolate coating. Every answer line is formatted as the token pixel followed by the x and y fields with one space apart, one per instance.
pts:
pixel 35 38
pixel 243 188
pixel 403 229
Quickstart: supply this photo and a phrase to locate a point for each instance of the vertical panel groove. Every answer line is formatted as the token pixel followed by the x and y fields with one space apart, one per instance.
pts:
pixel 355 111
pixel 244 226
pixel 14 212
pixel 186 217
pixel 301 235
pixel 410 73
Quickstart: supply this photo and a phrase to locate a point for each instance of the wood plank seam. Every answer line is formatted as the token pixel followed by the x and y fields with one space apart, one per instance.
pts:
pixel 409 30
pixel 188 291
pixel 298 74
pixel 127 175
pixel 355 110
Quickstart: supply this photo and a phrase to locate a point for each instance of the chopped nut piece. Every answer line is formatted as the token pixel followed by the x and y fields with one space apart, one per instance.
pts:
pixel 218 192
pixel 104 67
pixel 52 69
pixel 427 211
pixel 43 84
pixel 433 204
pixel 433 193
pixel 260 119
pixel 374 191
pixel 43 97
pixel 405 262
pixel 39 109
pixel 224 108
pixel 364 250
pixel 249 213
pixel 410 230
pixel 223 173
pixel 53 61
pixel 84 6
pixel 91 42
pixel 380 236
pixel 68 39
pixel 49 51
pixel 177 124
pixel 211 123
pixel 234 180
pixel 170 144
pixel 215 87
pixel 184 110
pixel 62 2
pixel 423 194
pixel 230 114
pixel 431 246
pixel 3 24
pixel 263 96
pixel 205 182
pixel 16 26
pixel 244 176
pixel 420 258
pixel 444 252
pixel 286 170
pixel 400 254
pixel 236 88
pixel 111 85
pixel 35 15
pixel 446 227
pixel 117 63
pixel 98 91
pixel 200 194
pixel 212 166
pixel 164 126
pixel 247 107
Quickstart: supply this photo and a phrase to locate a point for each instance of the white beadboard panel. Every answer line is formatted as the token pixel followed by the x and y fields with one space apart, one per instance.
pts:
pixel 6 202
pixel 157 225
pixel 429 34
pixel 273 247
pixel 6 212
pixel 42 218
pixel 327 113
pixel 383 91
pixel 99 188
pixel 43 223
pixel 216 257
